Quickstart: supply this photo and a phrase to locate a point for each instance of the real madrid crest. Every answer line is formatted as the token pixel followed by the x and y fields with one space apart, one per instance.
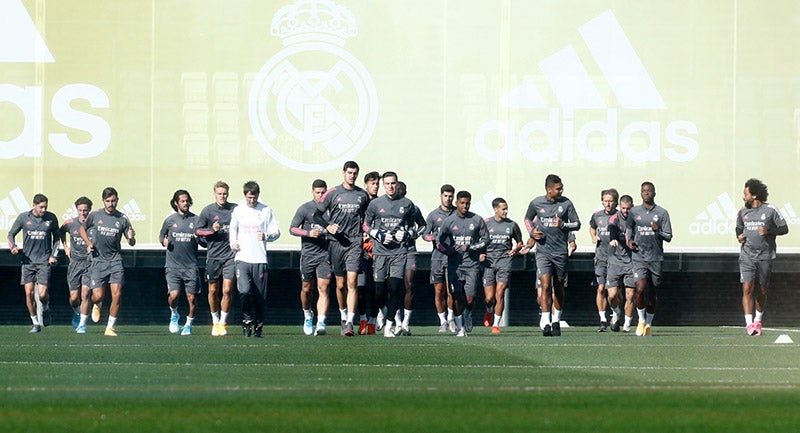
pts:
pixel 313 105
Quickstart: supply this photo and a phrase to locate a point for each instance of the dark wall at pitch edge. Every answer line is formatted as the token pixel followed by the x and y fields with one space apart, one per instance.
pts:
pixel 699 289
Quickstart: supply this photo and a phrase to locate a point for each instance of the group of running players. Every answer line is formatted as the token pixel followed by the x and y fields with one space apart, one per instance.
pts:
pixel 365 245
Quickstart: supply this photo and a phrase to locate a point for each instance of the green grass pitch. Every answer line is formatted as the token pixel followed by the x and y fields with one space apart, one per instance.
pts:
pixel 681 379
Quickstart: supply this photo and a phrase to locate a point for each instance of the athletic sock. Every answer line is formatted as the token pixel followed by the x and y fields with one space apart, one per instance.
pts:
pixel 450 314
pixel 215 317
pixel 641 312
pixel 35 320
pixel 223 317
pixel 308 314
pixel 173 311
pixel 350 317
pixel 759 315
pixel 406 317
pixel 748 319
pixel 111 322
pixel 602 315
pixel 442 318
pixel 398 318
pixel 321 319
pixel 649 319
pixel 363 317
pixel 496 320
pixel 459 321
pixel 343 314
pixel 556 315
pixel 544 320
pixel 628 320
pixel 84 319
pixel 189 321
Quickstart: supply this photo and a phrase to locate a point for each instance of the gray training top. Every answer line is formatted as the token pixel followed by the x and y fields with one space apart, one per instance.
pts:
pixel 541 213
pixel 182 246
pixel 39 236
pixel 748 221
pixel 640 230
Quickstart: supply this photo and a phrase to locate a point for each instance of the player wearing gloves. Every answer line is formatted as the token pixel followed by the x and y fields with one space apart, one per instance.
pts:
pixel 389 220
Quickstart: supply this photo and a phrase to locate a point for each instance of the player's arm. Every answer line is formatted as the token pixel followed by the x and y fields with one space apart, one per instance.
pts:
pixel 203 226
pixel 55 240
pixel 516 235
pixel 665 230
pixel 573 222
pixel 233 235
pixel 62 233
pixel 16 227
pixel 780 227
pixel 163 234
pixel 272 229
pixel 296 226
pixel 483 237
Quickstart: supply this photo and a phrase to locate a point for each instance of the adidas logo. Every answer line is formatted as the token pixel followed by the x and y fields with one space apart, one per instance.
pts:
pixel 22 44
pixel 719 218
pixel 72 212
pixel 133 212
pixel 28 45
pixel 11 206
pixel 788 213
pixel 561 136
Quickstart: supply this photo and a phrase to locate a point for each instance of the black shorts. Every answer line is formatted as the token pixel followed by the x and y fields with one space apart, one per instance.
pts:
pixel 105 272
pixel 217 269
pixel 345 258
pixel 649 270
pixel 315 267
pixel 38 273
pixel 78 274
pixel 187 279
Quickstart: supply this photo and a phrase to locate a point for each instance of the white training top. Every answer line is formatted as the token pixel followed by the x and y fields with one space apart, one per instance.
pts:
pixel 246 222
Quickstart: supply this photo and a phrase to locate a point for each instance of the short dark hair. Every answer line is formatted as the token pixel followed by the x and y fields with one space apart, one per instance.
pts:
pixel 551 180
pixel 177 196
pixel 389 174
pixel 350 164
pixel 447 188
pixel 463 194
pixel 108 192
pixel 251 187
pixel 83 200
pixel 757 188
pixel 400 189
pixel 372 175
pixel 626 199
pixel 497 202
pixel 319 183
pixel 647 182
pixel 39 198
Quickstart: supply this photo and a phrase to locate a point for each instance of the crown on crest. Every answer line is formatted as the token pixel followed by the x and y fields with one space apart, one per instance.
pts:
pixel 306 20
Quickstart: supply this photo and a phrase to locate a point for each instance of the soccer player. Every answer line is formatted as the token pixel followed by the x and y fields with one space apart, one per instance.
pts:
pixel 505 242
pixel 344 206
pixel 600 230
pixel 315 265
pixel 213 224
pixel 411 263
pixel 108 226
pixel 648 227
pixel 39 252
pixel 549 219
pixel 78 274
pixel 438 276
pixel 252 226
pixel 463 238
pixel 390 222
pixel 178 236
pixel 367 306
pixel 757 225
pixel 620 270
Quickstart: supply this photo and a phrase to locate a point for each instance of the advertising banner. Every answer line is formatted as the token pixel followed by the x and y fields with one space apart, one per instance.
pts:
pixel 489 96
